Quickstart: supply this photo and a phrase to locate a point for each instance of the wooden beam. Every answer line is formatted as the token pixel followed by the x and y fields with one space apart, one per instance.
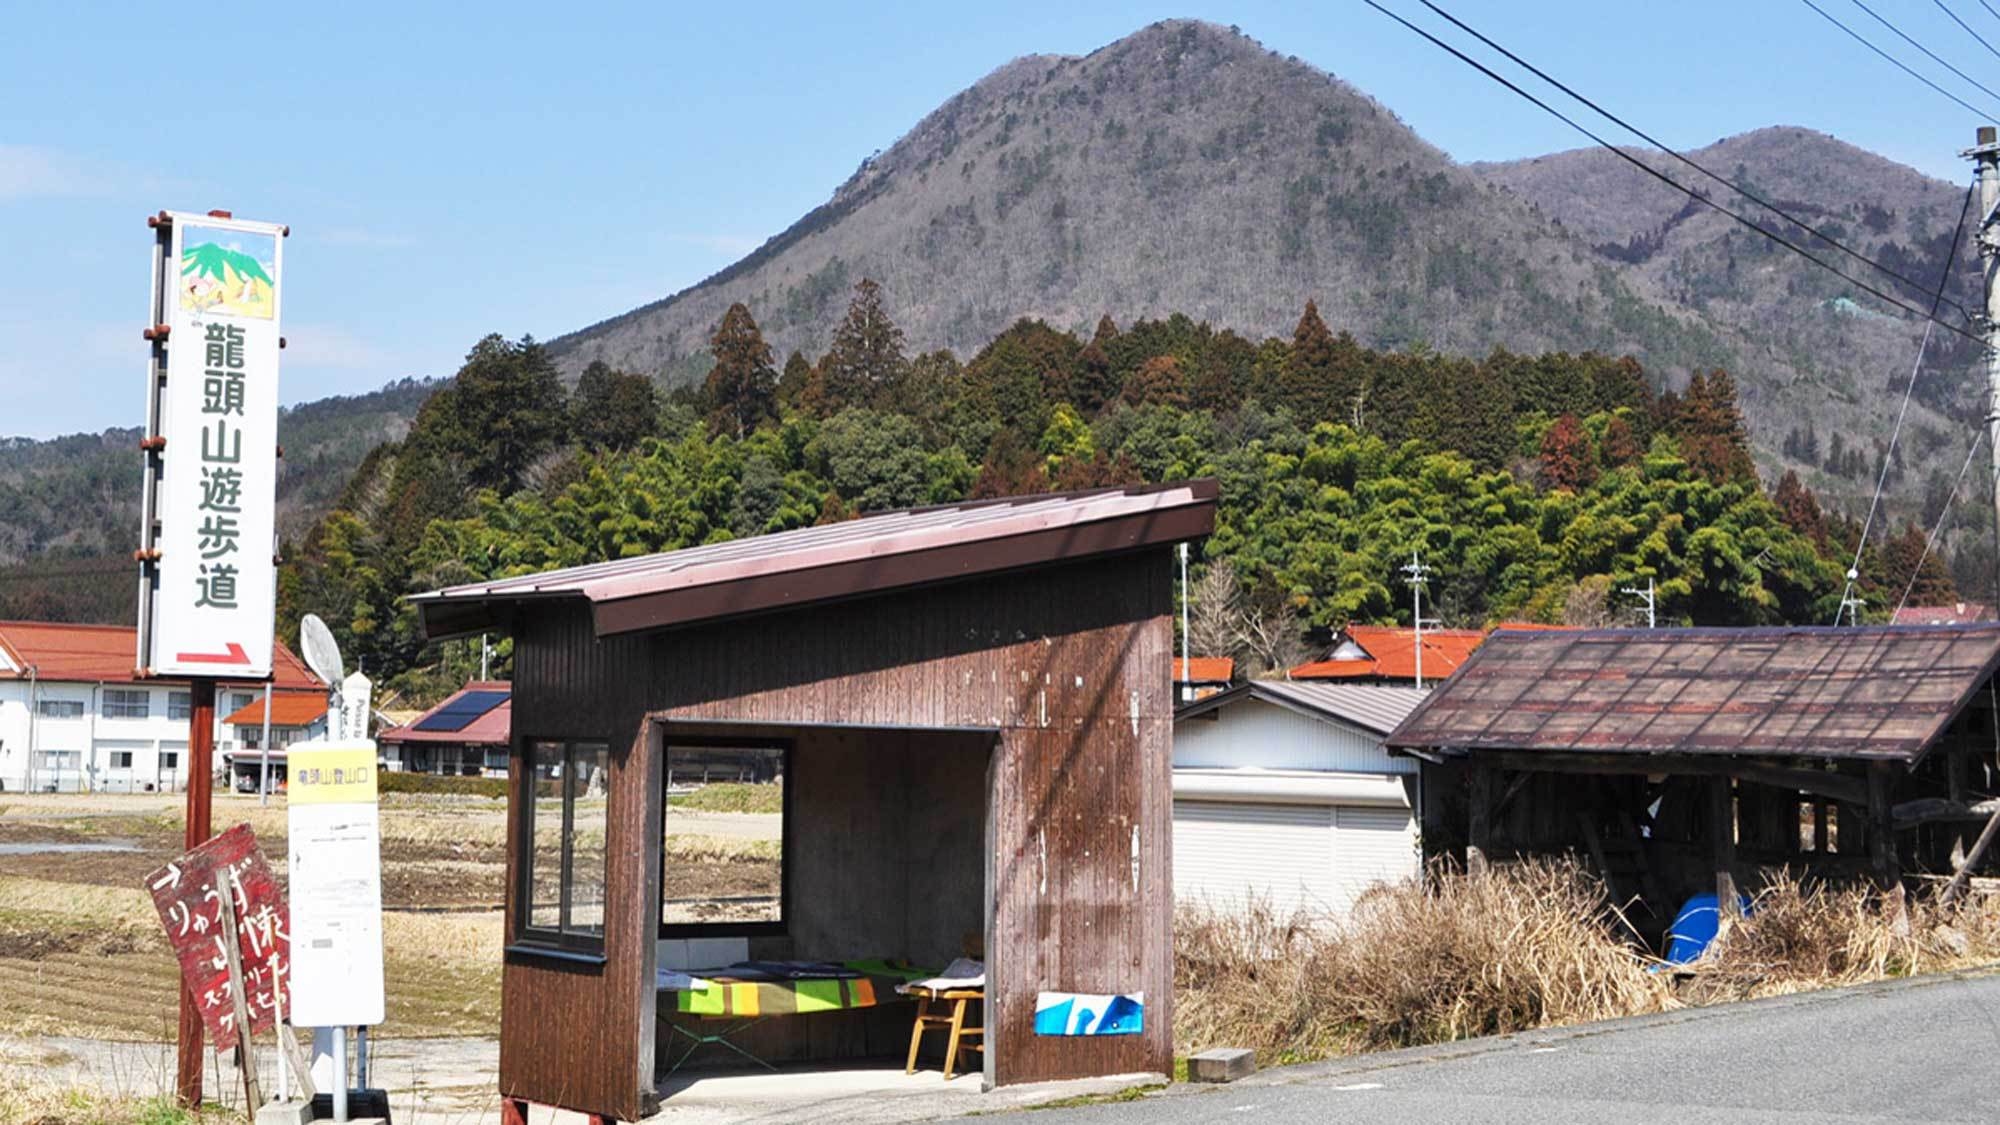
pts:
pixel 1882 845
pixel 1478 839
pixel 1964 870
pixel 1826 783
pixel 1924 810
pixel 1722 833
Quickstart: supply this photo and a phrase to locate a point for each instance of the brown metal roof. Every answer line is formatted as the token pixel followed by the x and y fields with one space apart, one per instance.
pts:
pixel 863 556
pixel 1873 692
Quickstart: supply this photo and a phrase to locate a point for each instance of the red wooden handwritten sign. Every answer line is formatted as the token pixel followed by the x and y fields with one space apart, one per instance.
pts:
pixel 188 893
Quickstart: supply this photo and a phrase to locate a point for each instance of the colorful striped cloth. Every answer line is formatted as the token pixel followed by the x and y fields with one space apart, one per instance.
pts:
pixel 727 998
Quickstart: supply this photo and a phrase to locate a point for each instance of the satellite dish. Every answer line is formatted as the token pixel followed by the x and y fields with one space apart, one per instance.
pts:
pixel 322 652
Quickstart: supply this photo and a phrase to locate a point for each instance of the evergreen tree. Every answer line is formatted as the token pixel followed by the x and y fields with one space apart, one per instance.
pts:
pixel 792 384
pixel 741 390
pixel 1711 430
pixel 866 359
pixel 1566 461
pixel 1620 445
pixel 1158 382
pixel 1311 381
pixel 612 409
pixel 1799 509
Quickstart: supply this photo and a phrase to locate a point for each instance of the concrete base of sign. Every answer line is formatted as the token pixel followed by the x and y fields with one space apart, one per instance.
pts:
pixel 285 1113
pixel 1222 1064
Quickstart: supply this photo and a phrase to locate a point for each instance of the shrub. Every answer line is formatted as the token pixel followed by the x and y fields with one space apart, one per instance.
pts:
pixel 398 781
pixel 732 796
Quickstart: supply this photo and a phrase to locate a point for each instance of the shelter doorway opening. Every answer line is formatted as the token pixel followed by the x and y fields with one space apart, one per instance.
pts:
pixel 806 872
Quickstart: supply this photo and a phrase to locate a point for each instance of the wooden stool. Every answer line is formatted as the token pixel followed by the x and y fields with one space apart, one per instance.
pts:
pixel 958 998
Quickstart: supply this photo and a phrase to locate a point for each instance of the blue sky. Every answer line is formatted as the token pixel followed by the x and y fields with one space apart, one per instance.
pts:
pixel 451 171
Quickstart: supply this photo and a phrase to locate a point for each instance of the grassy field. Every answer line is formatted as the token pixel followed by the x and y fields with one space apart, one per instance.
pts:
pixel 81 951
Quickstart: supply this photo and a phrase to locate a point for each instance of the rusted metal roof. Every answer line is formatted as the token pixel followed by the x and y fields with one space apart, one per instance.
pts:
pixel 1881 692
pixel 1372 707
pixel 869 555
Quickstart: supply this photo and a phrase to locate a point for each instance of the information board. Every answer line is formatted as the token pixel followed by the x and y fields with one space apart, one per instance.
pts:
pixel 336 884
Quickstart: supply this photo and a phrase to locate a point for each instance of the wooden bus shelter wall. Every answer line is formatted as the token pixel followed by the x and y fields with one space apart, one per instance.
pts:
pixel 1066 663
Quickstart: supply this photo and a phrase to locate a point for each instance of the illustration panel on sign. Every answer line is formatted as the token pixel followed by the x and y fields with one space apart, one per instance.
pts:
pixel 229 273
pixel 1087 1013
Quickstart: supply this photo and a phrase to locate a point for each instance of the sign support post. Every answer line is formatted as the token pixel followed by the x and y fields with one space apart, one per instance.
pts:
pixel 200 806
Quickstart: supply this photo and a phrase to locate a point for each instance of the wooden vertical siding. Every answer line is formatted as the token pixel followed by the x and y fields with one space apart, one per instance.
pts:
pixel 1068 663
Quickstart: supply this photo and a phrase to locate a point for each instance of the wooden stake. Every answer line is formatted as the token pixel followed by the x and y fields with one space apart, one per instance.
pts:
pixel 1722 831
pixel 1963 873
pixel 246 1057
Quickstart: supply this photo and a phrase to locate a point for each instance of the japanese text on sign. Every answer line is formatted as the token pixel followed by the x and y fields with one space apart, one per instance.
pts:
pixel 188 894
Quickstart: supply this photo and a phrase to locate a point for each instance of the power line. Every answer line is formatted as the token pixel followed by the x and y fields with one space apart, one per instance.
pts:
pixel 1932 55
pixel 1899 63
pixel 1968 27
pixel 1689 161
pixel 1989 9
pixel 1888 454
pixel 1669 180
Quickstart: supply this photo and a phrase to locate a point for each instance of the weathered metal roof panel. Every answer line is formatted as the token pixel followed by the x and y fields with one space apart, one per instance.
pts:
pixel 1871 692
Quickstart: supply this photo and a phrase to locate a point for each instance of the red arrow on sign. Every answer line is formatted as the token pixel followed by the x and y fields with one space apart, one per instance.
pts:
pixel 235 655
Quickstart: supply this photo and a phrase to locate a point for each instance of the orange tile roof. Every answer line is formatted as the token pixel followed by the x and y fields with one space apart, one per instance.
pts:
pixel 288 709
pixel 1392 653
pixel 1206 669
pixel 106 654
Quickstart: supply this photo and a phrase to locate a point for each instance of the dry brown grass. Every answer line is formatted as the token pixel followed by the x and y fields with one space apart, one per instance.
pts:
pixel 1521 947
pixel 1802 936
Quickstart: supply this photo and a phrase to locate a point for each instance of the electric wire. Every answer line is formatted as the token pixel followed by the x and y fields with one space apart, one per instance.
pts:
pixel 1909 388
pixel 1978 437
pixel 1995 15
pixel 1899 63
pixel 1689 161
pixel 1968 28
pixel 1678 186
pixel 1932 55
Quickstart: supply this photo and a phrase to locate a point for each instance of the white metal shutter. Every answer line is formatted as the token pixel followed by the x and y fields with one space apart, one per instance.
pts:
pixel 1372 845
pixel 1226 853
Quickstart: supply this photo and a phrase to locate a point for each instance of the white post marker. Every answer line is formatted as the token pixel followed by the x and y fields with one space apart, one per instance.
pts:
pixel 336 893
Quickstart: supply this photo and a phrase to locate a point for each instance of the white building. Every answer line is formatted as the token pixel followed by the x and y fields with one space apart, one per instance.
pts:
pixel 74 716
pixel 1284 794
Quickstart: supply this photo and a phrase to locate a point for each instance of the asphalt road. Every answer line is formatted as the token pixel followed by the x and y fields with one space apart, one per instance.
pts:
pixel 1906 1051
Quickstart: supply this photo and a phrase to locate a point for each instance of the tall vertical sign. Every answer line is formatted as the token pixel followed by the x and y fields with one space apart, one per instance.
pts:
pixel 208 585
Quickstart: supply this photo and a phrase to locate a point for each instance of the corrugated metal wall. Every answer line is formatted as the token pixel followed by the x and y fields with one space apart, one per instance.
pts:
pixel 1261 735
pixel 1316 858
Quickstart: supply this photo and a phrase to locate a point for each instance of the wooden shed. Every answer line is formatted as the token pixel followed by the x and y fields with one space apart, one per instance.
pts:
pixel 966 708
pixel 1681 761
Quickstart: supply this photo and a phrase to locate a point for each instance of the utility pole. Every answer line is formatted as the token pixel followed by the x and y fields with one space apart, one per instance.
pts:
pixel 1186 686
pixel 1417 574
pixel 1646 596
pixel 1986 156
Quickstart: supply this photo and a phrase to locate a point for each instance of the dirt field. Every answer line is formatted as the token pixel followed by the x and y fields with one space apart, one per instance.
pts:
pixel 81 952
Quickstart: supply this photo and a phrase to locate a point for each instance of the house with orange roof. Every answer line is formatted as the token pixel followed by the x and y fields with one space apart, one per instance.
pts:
pixel 1388 654
pixel 76 715
pixel 1199 677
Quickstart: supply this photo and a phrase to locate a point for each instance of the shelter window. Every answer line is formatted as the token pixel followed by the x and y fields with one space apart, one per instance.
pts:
pixel 722 852
pixel 563 872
